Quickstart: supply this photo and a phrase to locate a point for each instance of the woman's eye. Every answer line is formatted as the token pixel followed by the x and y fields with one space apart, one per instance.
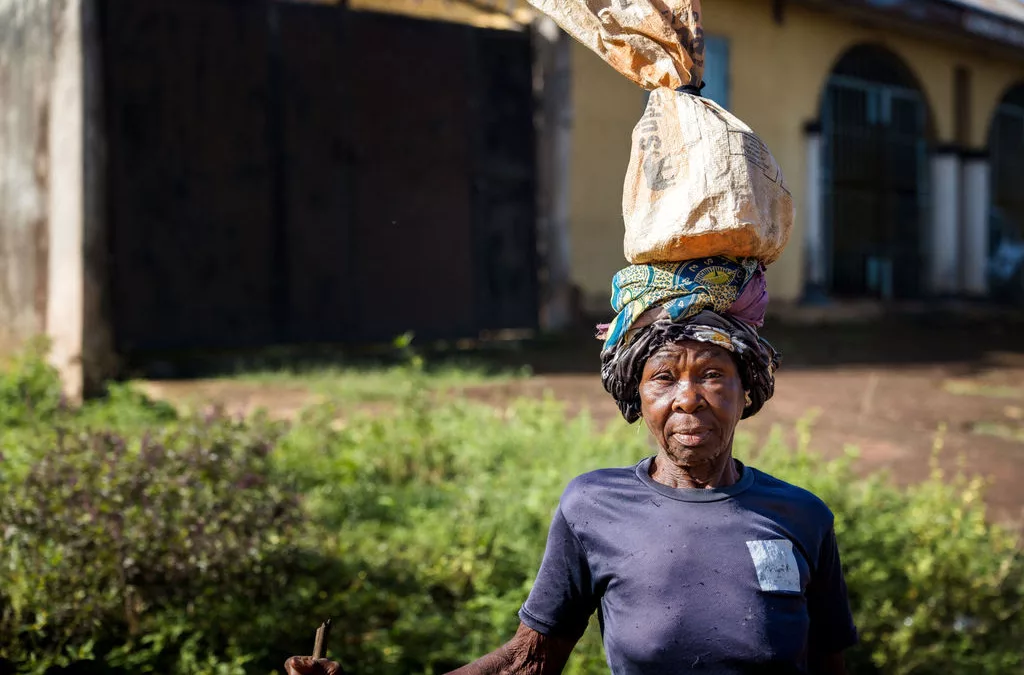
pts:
pixel 662 377
pixel 712 375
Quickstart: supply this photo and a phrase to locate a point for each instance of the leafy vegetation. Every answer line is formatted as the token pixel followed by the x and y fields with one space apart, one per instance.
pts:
pixel 136 539
pixel 377 381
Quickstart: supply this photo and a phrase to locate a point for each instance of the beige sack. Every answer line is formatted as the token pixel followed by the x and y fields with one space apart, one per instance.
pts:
pixel 699 181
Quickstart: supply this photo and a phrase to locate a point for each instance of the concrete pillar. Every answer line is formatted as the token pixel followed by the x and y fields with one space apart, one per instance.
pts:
pixel 76 323
pixel 815 247
pixel 64 308
pixel 552 87
pixel 943 247
pixel 977 197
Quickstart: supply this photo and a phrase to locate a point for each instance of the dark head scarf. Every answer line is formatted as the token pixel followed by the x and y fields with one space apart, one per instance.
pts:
pixel 622 364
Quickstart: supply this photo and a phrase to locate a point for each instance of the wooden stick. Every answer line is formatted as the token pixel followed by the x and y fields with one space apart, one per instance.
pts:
pixel 320 645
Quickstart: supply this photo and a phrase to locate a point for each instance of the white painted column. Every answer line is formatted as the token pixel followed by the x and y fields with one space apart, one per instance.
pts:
pixel 976 200
pixel 65 268
pixel 552 87
pixel 943 248
pixel 815 249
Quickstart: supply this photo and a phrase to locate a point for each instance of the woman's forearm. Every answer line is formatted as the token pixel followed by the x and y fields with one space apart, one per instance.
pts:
pixel 497 662
pixel 528 653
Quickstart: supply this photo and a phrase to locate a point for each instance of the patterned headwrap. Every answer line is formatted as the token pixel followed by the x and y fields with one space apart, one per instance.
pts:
pixel 682 289
pixel 717 300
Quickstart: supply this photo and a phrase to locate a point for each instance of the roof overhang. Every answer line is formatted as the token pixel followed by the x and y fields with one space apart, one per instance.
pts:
pixel 936 19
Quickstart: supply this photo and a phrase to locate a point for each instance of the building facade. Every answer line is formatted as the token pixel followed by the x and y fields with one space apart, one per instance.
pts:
pixel 898 126
pixel 128 216
pixel 195 175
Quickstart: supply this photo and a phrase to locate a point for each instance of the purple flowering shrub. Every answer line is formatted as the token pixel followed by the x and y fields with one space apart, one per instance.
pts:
pixel 128 547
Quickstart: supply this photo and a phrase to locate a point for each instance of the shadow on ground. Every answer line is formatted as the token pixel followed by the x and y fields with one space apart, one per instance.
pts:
pixel 897 338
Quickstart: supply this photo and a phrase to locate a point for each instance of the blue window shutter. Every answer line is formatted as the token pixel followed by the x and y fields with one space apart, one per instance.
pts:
pixel 716 69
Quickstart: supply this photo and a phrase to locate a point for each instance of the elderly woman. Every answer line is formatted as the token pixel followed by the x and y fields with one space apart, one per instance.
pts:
pixel 692 560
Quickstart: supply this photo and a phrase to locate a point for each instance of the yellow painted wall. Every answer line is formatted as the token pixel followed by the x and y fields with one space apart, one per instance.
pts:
pixel 605 108
pixel 988 92
pixel 777 74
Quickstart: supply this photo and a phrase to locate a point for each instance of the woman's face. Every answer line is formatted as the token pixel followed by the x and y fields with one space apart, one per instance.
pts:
pixel 692 397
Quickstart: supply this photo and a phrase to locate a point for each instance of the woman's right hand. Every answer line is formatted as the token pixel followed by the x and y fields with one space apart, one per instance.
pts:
pixel 307 665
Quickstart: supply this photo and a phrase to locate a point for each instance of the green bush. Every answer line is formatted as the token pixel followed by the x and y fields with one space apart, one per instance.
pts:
pixel 144 551
pixel 30 390
pixel 418 529
pixel 935 588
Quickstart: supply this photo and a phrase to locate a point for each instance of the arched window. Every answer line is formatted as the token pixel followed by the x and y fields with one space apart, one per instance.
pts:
pixel 874 124
pixel 1006 145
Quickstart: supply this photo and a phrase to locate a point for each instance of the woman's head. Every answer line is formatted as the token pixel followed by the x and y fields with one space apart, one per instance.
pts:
pixel 755 361
pixel 691 398
pixel 678 317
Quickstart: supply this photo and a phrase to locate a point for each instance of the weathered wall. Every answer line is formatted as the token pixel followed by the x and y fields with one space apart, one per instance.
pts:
pixel 52 235
pixel 27 38
pixel 777 75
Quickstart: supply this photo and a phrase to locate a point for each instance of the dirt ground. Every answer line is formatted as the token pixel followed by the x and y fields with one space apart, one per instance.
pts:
pixel 886 386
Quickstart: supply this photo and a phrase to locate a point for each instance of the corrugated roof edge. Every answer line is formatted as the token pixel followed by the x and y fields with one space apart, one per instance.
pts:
pixel 1007 9
pixel 999 20
pixel 989 20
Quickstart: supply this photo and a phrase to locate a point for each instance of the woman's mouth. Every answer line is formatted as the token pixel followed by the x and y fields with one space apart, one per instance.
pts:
pixel 691 437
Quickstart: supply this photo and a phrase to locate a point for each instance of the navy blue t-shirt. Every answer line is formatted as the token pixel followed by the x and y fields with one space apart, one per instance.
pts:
pixel 742 579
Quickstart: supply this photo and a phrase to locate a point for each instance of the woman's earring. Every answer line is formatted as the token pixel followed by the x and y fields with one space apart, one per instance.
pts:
pixel 746 396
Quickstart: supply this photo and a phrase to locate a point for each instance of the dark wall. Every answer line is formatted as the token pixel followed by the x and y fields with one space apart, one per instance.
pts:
pixel 285 173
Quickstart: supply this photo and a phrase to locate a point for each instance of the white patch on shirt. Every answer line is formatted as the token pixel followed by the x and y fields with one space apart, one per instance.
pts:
pixel 776 565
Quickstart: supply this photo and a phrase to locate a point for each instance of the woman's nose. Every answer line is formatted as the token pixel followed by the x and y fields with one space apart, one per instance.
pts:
pixel 688 398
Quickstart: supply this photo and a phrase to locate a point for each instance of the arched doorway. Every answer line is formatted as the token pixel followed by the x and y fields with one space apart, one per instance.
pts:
pixel 1006 240
pixel 874 125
